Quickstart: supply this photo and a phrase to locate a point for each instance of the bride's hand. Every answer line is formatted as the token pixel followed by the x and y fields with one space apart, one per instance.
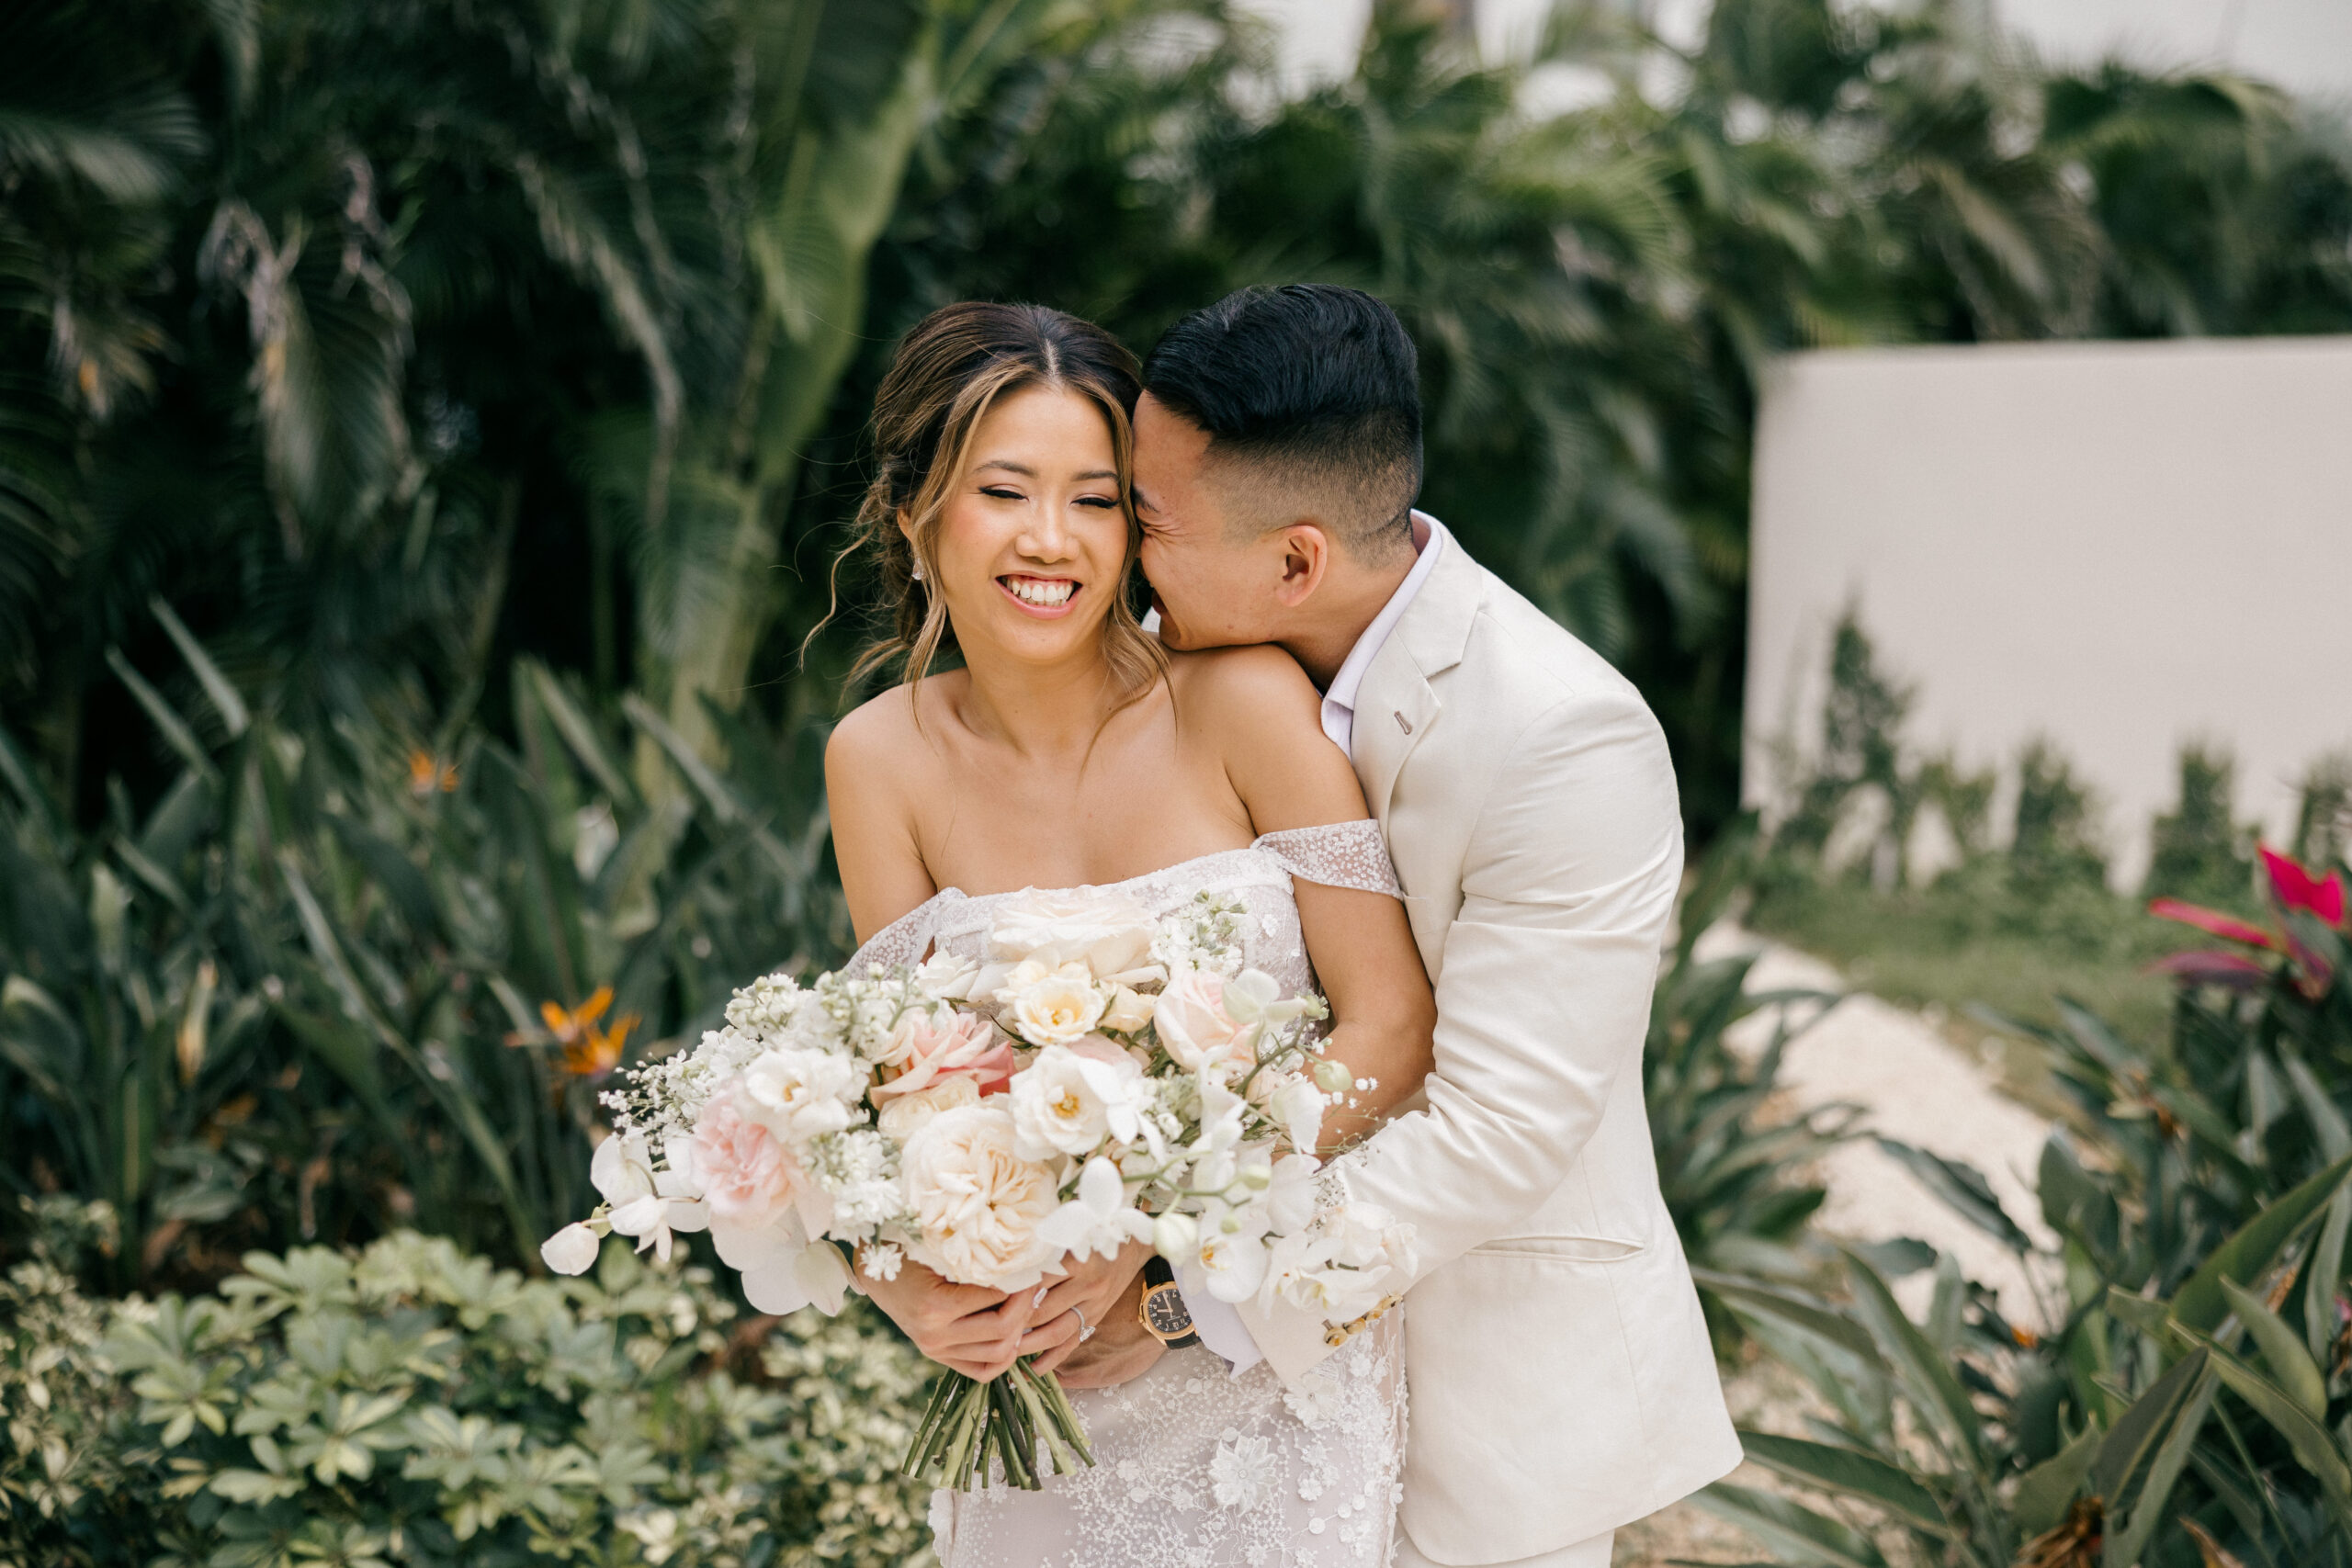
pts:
pixel 1123 1350
pixel 963 1328
pixel 1091 1291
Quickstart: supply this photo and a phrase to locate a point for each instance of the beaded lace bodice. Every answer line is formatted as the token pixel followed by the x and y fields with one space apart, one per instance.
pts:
pixel 1195 1467
pixel 1338 854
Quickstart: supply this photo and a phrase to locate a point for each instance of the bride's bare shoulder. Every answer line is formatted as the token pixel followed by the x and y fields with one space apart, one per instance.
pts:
pixel 880 738
pixel 1258 691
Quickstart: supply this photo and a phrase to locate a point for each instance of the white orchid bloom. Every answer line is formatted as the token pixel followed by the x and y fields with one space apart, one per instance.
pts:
pixel 645 1203
pixel 1290 1200
pixel 788 1278
pixel 1099 1220
pixel 1176 1237
pixel 572 1249
pixel 1232 1256
pixel 1297 1104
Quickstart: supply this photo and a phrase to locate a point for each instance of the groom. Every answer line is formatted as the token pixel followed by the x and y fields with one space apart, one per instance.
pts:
pixel 1561 1379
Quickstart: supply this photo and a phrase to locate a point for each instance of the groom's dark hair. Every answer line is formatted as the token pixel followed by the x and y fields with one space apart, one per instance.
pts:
pixel 1311 397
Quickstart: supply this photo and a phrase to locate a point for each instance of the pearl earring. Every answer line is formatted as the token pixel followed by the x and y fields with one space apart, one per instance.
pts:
pixel 918 571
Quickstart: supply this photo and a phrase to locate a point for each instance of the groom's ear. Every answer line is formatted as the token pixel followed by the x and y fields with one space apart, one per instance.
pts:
pixel 1306 561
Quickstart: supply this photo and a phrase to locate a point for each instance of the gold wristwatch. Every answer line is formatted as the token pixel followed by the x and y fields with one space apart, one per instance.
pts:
pixel 1165 1316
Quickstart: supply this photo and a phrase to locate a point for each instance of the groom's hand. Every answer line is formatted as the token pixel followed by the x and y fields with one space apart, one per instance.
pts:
pixel 964 1327
pixel 1121 1349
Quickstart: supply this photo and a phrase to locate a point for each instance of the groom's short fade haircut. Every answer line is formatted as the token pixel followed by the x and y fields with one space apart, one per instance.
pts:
pixel 1310 395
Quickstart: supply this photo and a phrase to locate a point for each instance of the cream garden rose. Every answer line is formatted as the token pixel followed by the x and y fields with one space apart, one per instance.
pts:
pixel 1129 1010
pixel 902 1116
pixel 977 1202
pixel 1051 1005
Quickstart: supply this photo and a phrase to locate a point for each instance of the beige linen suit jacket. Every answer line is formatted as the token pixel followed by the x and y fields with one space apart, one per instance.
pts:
pixel 1561 1379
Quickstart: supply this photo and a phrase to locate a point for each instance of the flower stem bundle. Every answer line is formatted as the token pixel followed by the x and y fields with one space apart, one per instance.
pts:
pixel 969 1423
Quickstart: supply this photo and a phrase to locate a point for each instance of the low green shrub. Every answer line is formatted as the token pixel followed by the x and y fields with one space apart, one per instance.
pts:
pixel 411 1405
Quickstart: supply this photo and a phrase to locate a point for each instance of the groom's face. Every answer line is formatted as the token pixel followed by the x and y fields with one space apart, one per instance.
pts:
pixel 1213 583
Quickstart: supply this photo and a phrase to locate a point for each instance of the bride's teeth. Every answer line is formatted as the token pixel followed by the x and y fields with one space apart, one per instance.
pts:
pixel 1047 595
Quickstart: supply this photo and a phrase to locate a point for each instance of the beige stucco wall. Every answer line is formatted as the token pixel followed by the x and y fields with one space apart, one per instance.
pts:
pixel 2120 545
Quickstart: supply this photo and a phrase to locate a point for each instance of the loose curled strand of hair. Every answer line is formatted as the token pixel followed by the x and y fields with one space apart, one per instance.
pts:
pixel 948 375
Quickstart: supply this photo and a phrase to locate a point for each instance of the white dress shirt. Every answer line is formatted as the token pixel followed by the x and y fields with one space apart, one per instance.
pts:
pixel 1340 701
pixel 1219 1326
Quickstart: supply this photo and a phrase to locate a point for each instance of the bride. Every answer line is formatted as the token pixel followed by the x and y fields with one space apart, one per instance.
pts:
pixel 1071 751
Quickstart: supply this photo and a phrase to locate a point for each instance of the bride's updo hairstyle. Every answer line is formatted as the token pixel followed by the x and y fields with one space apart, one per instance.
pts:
pixel 948 372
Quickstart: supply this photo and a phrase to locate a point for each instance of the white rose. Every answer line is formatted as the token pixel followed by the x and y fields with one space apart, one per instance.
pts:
pixel 1067 1103
pixel 1129 1010
pixel 572 1249
pixel 1051 1005
pixel 800 1095
pixel 947 975
pixel 977 1202
pixel 1109 933
pixel 904 1116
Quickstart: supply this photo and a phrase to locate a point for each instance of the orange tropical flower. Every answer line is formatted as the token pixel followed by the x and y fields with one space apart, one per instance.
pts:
pixel 589 1052
pixel 428 775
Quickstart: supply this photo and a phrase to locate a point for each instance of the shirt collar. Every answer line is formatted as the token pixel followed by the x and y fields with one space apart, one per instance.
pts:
pixel 1350 680
pixel 1341 695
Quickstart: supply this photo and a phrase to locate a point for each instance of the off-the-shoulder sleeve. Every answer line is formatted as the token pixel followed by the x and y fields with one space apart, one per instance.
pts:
pixel 906 940
pixel 1338 854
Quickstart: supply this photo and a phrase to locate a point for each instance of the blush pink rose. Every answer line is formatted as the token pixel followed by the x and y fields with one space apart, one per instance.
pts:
pixel 966 1045
pixel 747 1176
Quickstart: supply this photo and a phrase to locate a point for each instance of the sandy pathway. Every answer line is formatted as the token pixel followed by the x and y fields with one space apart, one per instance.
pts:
pixel 1916 1087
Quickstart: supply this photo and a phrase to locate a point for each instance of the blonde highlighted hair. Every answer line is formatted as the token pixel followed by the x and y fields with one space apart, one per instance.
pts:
pixel 948 372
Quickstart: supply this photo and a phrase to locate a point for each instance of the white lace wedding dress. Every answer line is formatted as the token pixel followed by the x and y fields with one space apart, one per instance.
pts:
pixel 1193 1468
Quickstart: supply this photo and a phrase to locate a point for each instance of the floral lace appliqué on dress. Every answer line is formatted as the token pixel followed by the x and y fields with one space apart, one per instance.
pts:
pixel 1195 1467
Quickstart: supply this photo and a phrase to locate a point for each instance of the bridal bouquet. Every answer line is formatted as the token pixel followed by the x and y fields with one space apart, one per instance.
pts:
pixel 1105 1077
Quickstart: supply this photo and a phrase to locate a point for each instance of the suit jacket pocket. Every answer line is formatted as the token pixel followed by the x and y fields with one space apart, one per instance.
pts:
pixel 1562 1249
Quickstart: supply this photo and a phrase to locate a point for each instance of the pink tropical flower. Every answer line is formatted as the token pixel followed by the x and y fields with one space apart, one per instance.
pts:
pixel 2296 888
pixel 2232 969
pixel 2211 922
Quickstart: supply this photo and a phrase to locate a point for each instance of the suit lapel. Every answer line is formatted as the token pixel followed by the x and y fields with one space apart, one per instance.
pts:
pixel 1394 709
pixel 1396 705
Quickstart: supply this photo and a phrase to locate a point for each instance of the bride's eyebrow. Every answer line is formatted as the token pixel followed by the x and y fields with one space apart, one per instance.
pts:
pixel 1027 472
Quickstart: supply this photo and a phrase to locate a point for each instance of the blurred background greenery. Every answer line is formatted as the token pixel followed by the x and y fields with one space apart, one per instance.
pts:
pixel 425 430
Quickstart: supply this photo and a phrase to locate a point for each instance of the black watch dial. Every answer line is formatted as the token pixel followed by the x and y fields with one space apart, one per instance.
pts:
pixel 1165 1313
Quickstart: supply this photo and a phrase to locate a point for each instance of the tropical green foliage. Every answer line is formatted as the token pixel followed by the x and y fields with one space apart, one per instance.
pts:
pixel 392 342
pixel 2193 1392
pixel 411 1404
pixel 338 983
